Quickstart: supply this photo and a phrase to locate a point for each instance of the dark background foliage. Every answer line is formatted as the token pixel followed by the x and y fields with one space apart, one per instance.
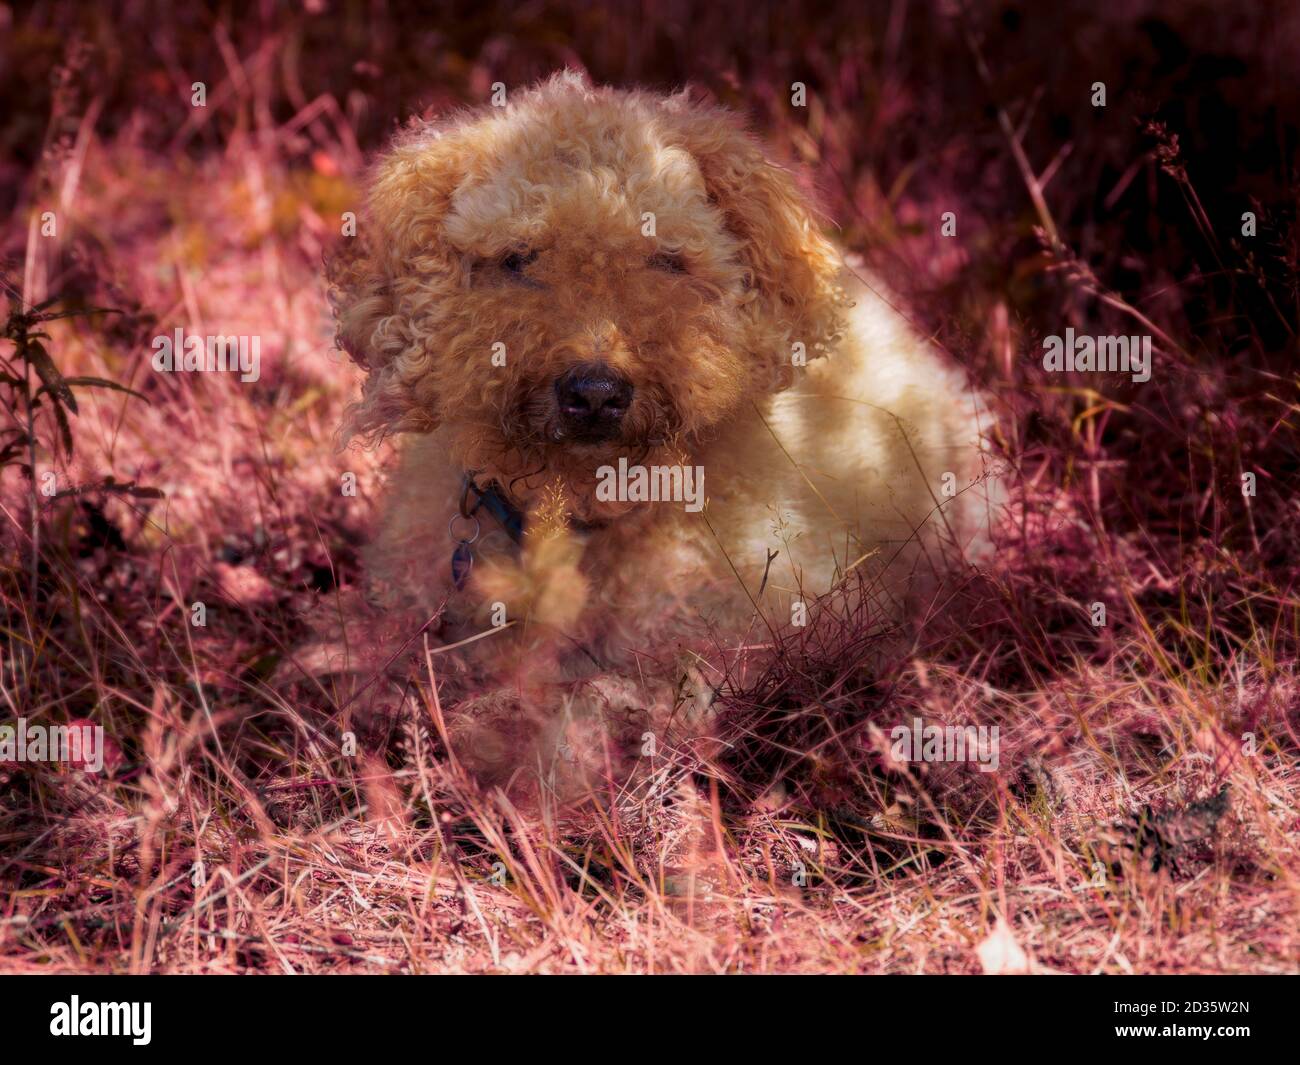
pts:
pixel 1124 493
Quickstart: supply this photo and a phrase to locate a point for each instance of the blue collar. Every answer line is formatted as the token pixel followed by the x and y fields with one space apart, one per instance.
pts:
pixel 497 503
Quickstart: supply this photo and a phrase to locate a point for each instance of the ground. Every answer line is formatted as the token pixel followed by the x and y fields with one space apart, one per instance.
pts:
pixel 1142 817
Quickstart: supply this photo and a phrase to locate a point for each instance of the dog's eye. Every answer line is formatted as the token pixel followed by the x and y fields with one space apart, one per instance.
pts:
pixel 673 264
pixel 516 261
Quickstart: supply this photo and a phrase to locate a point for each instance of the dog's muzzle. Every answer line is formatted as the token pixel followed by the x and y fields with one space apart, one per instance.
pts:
pixel 592 399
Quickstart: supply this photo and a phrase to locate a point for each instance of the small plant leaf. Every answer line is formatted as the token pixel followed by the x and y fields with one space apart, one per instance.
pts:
pixel 34 352
pixel 85 313
pixel 65 430
pixel 98 382
pixel 112 485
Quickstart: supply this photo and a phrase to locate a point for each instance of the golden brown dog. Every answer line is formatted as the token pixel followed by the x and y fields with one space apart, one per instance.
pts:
pixel 589 300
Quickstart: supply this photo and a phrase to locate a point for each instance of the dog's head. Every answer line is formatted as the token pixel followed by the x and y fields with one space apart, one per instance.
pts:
pixel 581 275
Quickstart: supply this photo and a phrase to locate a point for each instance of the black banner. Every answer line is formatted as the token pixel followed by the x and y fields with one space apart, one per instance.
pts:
pixel 169 1013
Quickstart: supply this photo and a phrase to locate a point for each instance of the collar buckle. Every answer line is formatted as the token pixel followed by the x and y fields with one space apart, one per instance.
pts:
pixel 508 516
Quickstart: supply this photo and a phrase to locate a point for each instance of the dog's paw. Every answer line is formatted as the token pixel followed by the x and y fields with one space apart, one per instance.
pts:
pixel 492 733
pixel 543 585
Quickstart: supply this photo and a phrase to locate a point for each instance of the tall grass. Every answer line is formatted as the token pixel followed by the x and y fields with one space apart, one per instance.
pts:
pixel 231 831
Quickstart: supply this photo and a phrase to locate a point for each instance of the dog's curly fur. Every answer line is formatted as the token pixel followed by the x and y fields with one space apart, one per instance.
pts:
pixel 522 231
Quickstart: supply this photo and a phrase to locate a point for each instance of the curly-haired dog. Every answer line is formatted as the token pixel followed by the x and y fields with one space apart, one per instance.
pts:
pixel 591 299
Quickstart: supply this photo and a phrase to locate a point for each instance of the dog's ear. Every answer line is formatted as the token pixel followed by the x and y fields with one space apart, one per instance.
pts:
pixel 792 271
pixel 381 277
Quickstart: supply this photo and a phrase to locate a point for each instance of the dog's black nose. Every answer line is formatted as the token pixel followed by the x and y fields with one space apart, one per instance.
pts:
pixel 593 398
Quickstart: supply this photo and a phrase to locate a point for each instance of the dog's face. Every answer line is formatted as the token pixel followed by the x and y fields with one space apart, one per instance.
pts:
pixel 584 275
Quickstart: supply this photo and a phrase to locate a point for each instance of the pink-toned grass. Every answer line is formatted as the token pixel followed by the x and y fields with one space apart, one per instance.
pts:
pixel 232 835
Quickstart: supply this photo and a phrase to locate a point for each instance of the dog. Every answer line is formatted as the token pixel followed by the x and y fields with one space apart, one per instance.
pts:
pixel 644 402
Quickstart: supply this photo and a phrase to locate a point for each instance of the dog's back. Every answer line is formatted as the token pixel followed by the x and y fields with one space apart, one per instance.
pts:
pixel 874 460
